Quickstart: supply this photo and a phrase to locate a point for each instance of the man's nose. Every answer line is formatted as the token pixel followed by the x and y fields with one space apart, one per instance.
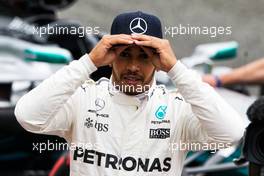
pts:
pixel 133 65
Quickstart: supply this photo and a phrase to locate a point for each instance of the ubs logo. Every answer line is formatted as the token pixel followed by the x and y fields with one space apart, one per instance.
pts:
pixel 89 123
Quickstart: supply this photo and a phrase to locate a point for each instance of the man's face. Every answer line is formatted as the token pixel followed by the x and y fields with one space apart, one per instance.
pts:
pixel 133 70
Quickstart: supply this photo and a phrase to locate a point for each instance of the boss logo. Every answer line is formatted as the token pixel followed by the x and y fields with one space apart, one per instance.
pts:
pixel 159 133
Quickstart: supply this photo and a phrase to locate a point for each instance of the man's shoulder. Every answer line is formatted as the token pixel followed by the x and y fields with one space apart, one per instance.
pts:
pixel 101 84
pixel 176 95
pixel 171 92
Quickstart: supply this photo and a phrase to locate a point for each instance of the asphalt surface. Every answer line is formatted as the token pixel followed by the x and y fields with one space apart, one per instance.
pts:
pixel 244 17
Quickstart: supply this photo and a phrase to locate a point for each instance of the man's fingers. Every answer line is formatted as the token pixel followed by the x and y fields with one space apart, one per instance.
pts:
pixel 122 36
pixel 142 37
pixel 150 44
pixel 125 36
pixel 119 49
pixel 149 51
pixel 154 57
pixel 144 40
pixel 117 41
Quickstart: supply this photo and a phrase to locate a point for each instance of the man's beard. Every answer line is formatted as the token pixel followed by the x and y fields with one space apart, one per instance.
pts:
pixel 132 89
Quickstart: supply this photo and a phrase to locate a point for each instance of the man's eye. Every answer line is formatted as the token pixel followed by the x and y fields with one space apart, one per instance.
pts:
pixel 144 56
pixel 124 54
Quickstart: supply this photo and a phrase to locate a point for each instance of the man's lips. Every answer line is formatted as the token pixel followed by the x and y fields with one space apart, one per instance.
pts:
pixel 132 79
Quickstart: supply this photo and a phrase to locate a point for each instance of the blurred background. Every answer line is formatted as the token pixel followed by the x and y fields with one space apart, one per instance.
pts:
pixel 245 18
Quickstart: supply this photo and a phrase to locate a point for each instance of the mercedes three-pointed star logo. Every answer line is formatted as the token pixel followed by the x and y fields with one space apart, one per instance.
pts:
pixel 100 104
pixel 138 26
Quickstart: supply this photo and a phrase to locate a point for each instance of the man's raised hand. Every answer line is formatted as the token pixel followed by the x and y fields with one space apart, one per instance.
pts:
pixel 103 54
pixel 163 58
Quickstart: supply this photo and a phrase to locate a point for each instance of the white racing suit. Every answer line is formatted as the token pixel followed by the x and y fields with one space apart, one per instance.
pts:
pixel 113 134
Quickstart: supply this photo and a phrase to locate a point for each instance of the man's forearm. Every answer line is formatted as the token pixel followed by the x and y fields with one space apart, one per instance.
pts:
pixel 252 73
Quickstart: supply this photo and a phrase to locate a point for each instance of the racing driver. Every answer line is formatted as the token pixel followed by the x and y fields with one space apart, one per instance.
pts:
pixel 128 125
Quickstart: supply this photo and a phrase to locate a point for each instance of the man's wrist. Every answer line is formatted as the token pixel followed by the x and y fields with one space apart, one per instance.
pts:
pixel 176 70
pixel 218 81
pixel 171 65
pixel 91 56
pixel 88 63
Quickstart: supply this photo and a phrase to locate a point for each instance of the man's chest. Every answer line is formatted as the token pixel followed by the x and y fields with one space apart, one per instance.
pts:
pixel 123 134
pixel 125 127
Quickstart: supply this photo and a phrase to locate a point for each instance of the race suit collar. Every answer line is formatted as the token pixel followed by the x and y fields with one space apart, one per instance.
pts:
pixel 121 98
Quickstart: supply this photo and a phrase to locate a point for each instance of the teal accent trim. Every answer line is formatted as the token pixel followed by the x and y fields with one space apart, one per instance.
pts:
pixel 31 55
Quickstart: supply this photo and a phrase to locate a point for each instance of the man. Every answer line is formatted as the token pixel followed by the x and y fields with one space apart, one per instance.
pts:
pixel 252 73
pixel 128 125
